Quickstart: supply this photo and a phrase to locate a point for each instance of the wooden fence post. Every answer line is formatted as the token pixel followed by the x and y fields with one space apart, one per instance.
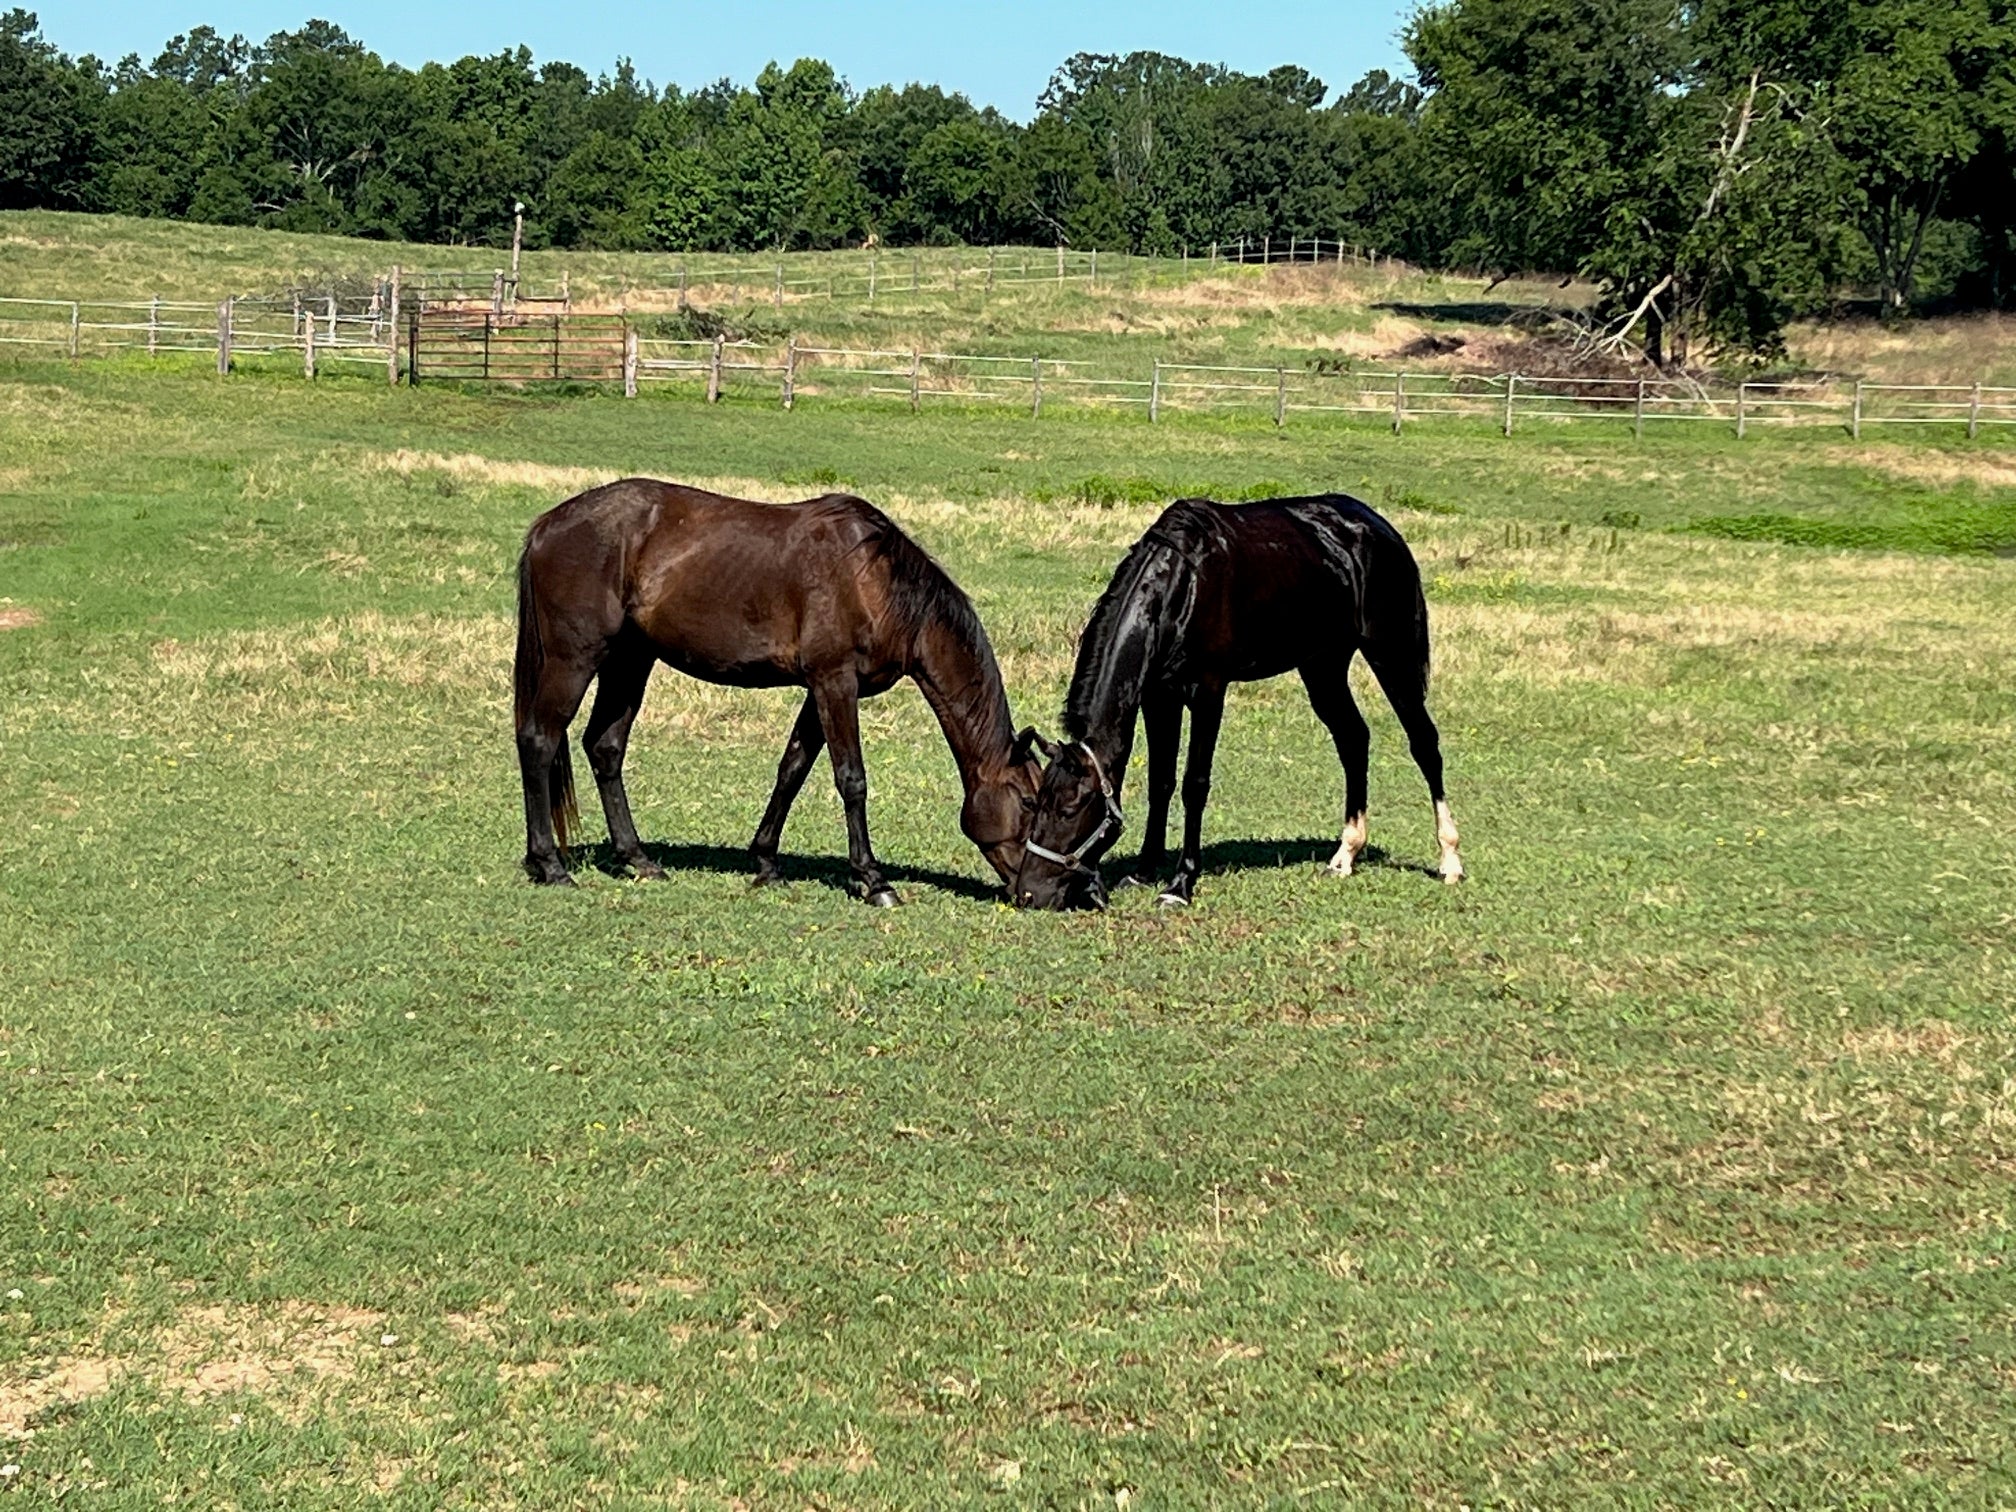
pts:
pixel 1855 415
pixel 790 370
pixel 714 375
pixel 1974 412
pixel 497 293
pixel 990 270
pixel 223 336
pixel 1214 251
pixel 1511 383
pixel 777 299
pixel 871 277
pixel 1095 267
pixel 413 347
pixel 1742 393
pixel 308 349
pixel 916 363
pixel 154 325
pixel 683 305
pixel 916 268
pixel 1399 400
pixel 1280 396
pixel 1155 392
pixel 392 333
pixel 566 295
pixel 629 361
pixel 332 319
pixel 1638 413
pixel 76 321
pixel 1035 388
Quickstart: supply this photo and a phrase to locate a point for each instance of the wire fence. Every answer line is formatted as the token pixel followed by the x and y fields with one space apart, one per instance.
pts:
pixel 534 343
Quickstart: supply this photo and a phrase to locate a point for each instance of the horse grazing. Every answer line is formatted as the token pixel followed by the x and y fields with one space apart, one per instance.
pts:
pixel 1214 594
pixel 827 595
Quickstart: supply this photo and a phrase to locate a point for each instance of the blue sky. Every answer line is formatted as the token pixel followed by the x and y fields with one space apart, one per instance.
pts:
pixel 998 54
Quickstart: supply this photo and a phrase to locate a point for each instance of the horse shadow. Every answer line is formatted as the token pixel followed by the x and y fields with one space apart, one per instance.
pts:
pixel 1277 855
pixel 826 871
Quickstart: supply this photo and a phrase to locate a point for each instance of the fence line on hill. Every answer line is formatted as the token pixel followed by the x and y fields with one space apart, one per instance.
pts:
pixel 452 341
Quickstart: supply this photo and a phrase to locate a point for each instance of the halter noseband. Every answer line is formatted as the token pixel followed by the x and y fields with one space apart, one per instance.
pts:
pixel 1115 821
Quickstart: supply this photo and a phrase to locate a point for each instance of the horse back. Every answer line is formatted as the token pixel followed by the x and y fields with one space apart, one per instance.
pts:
pixel 730 590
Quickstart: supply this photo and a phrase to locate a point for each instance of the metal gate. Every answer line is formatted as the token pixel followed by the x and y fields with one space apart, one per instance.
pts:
pixel 464 345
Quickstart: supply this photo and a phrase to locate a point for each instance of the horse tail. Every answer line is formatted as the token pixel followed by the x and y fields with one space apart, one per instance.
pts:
pixel 531 662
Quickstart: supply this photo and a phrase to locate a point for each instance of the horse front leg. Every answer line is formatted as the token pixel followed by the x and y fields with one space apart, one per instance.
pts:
pixel 1207 709
pixel 838 700
pixel 800 751
pixel 1162 720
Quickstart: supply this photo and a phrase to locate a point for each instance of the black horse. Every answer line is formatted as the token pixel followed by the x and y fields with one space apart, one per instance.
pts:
pixel 1215 594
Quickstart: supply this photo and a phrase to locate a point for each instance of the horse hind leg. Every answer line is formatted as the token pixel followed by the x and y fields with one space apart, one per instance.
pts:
pixel 619 694
pixel 1406 690
pixel 1330 696
pixel 543 768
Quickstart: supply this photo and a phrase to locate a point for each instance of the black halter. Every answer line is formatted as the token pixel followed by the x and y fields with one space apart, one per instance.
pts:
pixel 1113 822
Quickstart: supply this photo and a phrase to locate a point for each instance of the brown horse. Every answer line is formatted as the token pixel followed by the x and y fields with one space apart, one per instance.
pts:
pixel 827 595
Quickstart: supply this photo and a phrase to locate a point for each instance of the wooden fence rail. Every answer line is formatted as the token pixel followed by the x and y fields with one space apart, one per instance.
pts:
pixel 533 344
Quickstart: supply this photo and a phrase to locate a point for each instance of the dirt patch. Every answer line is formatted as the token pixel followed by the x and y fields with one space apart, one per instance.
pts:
pixel 280 1353
pixel 13 617
pixel 72 1380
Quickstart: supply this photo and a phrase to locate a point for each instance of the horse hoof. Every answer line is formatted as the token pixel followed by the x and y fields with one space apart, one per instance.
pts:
pixel 1173 900
pixel 883 897
pixel 1340 869
pixel 1451 878
pixel 648 871
pixel 1126 882
pixel 766 878
pixel 552 879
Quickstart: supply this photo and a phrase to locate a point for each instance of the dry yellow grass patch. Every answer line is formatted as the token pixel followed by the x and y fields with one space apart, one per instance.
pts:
pixel 15 617
pixel 1945 468
pixel 1953 349
pixel 1935 1040
pixel 70 1380
pixel 470 468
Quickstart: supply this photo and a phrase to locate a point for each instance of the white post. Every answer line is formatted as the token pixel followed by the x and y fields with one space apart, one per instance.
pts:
pixel 1280 396
pixel 916 362
pixel 223 336
pixel 1855 416
pixel 1742 393
pixel 629 362
pixel 1399 400
pixel 392 334
pixel 871 277
pixel 154 323
pixel 1974 412
pixel 790 369
pixel 1095 267
pixel 76 321
pixel 714 375
pixel 1035 388
pixel 332 319
pixel 778 299
pixel 1511 383
pixel 308 348
pixel 1638 413
pixel 1155 392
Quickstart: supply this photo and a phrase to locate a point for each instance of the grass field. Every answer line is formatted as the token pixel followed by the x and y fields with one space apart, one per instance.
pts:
pixel 1666 1161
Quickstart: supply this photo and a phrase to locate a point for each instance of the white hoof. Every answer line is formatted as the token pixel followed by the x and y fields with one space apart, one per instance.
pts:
pixel 1170 900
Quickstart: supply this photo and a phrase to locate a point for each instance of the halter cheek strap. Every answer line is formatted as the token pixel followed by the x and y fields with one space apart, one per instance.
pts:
pixel 1113 822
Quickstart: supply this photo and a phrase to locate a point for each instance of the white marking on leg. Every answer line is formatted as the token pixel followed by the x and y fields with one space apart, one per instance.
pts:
pixel 1446 836
pixel 1349 843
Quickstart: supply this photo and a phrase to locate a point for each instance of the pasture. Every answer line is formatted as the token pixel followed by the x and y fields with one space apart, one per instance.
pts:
pixel 1667 1160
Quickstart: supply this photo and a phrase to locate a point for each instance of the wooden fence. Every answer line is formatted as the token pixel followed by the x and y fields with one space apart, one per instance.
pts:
pixel 448 340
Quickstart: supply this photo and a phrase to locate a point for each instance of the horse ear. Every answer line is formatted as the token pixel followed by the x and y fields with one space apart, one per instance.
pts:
pixel 1029 738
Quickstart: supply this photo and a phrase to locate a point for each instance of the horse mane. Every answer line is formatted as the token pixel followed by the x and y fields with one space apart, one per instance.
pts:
pixel 1169 552
pixel 921 594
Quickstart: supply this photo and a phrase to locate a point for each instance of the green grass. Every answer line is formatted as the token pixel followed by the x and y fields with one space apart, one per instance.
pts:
pixel 1666 1161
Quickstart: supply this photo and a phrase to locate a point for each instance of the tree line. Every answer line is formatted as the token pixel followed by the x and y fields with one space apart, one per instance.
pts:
pixel 1718 166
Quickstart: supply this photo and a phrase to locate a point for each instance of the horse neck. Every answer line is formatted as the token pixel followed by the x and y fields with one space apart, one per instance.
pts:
pixel 1115 662
pixel 962 685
